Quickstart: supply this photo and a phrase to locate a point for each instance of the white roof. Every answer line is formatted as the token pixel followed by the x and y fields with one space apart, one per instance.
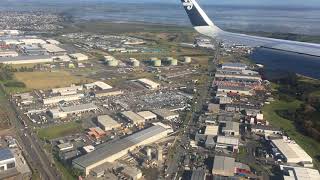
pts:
pixel 292 151
pixel 147 115
pixel 79 56
pixel 135 118
pixel 300 173
pixel 149 83
pixel 89 148
pixel 102 85
pixel 228 140
pixel 33 41
pixel 108 121
pixel 51 48
pixel 52 41
pixel 211 130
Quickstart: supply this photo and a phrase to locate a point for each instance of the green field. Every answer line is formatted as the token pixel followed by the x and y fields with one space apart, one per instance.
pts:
pixel 311 146
pixel 60 130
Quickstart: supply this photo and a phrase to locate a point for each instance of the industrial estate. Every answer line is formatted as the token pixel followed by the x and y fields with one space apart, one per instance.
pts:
pixel 126 106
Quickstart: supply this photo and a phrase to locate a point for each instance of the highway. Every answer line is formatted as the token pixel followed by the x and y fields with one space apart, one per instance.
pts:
pixel 31 147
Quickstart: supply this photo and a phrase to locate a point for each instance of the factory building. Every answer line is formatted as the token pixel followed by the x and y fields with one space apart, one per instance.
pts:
pixel 26 60
pixel 231 128
pixel 107 123
pixel 132 117
pixel 109 152
pixel 7 160
pixel 11 42
pixel 228 142
pixel 98 85
pixel 32 50
pixel 291 151
pixel 63 112
pixel 33 41
pixel 228 167
pixel 57 99
pixel 52 41
pixel 222 90
pixel 299 173
pixel 66 89
pixel 165 114
pixel 147 115
pixel 109 92
pixel 239 76
pixel 148 83
pixel 53 49
pixel 211 130
pixel 79 57
pixel 8 53
pixel 237 66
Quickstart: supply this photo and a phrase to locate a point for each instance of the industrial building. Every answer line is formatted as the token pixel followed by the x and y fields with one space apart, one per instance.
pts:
pixel 63 112
pixel 228 142
pixel 98 85
pixel 266 130
pixel 132 117
pixel 53 49
pixel 147 115
pixel 231 128
pixel 228 167
pixel 32 50
pixel 222 90
pixel 32 41
pixel 109 92
pixel 107 123
pixel 66 89
pixel 213 108
pixel 292 152
pixel 237 66
pixel 8 53
pixel 65 146
pixel 109 152
pixel 79 57
pixel 211 130
pixel 148 83
pixel 52 41
pixel 26 60
pixel 57 99
pixel 7 160
pixel 299 173
pixel 165 114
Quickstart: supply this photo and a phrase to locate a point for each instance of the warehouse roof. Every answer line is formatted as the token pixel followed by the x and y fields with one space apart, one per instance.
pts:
pixel 102 85
pixel 147 115
pixel 106 120
pixel 51 48
pixel 108 149
pixel 231 126
pixel 164 113
pixel 238 65
pixel 5 154
pixel 293 173
pixel 228 140
pixel 135 118
pixel 223 165
pixel 211 130
pixel 291 150
pixel 148 82
pixel 24 58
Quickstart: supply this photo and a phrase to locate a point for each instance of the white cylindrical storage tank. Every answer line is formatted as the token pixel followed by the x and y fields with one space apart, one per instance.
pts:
pixel 113 63
pixel 173 62
pixel 135 63
pixel 156 62
pixel 187 59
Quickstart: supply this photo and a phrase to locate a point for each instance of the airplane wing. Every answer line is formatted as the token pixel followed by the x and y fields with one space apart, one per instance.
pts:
pixel 205 26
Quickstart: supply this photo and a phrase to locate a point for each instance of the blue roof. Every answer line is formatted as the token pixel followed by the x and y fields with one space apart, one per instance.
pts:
pixel 5 154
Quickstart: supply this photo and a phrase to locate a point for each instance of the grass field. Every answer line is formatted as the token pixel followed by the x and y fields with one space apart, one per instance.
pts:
pixel 46 80
pixel 60 130
pixel 311 146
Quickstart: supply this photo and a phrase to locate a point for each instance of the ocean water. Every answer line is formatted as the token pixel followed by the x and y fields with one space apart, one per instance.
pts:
pixel 280 61
pixel 301 20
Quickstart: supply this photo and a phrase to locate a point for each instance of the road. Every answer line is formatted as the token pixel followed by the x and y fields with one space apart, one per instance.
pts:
pixel 31 147
pixel 182 141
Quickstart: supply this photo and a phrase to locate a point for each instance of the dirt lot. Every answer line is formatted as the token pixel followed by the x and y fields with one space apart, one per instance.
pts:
pixel 46 80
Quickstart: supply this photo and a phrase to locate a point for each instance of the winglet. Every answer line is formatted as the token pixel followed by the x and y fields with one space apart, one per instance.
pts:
pixel 196 15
